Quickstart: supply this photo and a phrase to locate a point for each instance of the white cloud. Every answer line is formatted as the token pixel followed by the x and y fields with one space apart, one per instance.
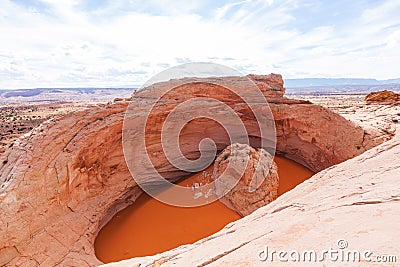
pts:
pixel 66 46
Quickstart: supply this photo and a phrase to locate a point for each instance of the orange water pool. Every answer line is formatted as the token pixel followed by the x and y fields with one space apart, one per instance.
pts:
pixel 148 226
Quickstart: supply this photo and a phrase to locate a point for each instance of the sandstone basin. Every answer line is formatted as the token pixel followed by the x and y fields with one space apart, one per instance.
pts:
pixel 149 226
pixel 64 180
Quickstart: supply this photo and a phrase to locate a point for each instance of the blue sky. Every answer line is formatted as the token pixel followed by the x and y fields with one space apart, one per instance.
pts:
pixel 73 43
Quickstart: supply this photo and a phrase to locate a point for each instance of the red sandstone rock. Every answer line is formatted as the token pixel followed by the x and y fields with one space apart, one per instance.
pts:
pixel 271 85
pixel 60 183
pixel 258 184
pixel 383 97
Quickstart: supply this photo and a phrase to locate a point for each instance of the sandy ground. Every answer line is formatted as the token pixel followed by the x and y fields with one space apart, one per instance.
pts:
pixel 372 117
pixel 18 119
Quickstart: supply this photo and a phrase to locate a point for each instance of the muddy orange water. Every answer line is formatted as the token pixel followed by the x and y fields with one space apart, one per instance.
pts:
pixel 149 227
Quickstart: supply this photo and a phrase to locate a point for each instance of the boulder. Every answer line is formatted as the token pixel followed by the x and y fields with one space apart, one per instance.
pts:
pixel 384 96
pixel 258 173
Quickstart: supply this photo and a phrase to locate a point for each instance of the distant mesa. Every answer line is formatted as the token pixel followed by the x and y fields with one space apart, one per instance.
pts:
pixel 23 96
pixel 323 82
pixel 384 96
pixel 339 86
pixel 23 93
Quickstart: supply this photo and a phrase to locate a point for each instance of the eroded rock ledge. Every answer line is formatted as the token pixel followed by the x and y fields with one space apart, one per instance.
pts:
pixel 62 181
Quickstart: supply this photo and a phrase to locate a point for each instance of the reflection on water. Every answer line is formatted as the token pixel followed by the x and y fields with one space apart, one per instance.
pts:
pixel 149 227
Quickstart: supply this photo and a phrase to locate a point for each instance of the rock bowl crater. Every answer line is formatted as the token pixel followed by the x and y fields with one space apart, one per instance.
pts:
pixel 64 180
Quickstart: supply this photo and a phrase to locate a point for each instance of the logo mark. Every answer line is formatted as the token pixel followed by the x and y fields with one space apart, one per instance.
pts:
pixel 179 122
